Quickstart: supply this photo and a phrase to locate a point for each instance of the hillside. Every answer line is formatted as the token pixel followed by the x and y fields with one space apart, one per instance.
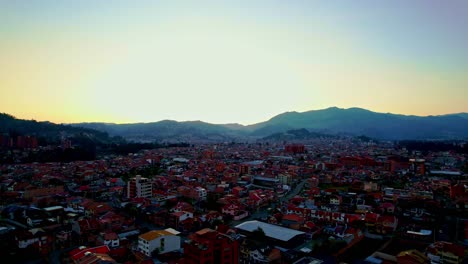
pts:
pixel 357 121
pixel 170 131
pixel 49 132
pixel 332 121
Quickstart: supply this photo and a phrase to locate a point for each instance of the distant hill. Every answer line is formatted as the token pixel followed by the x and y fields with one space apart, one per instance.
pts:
pixel 331 121
pixel 357 121
pixel 50 132
pixel 171 131
pixel 297 134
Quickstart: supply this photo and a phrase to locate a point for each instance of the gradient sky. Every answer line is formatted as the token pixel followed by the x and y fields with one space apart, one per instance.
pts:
pixel 226 62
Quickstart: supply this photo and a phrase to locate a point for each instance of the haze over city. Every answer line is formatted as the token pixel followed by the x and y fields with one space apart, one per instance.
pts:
pixel 240 62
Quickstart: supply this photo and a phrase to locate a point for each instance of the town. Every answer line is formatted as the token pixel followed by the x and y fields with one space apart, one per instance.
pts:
pixel 324 200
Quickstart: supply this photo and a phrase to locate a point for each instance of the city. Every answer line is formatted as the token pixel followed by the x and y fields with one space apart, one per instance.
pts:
pixel 234 132
pixel 317 201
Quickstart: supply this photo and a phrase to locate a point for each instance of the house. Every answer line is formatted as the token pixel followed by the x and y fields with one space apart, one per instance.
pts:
pixel 183 207
pixel 335 200
pixel 30 216
pixel 35 236
pixel 266 254
pixel 387 223
pixel 175 219
pixel 86 226
pixel 97 209
pixel 86 255
pixel 112 221
pixel 235 210
pixel 445 252
pixel 110 239
pixel 195 193
pixel 162 241
pixel 292 221
pixel 387 208
pixel 239 191
pixel 210 246
pixel 412 256
pixel 231 209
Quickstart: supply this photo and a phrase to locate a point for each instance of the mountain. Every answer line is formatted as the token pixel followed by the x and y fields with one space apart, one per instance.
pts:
pixel 352 121
pixel 297 134
pixel 50 132
pixel 171 131
pixel 357 121
pixel 463 115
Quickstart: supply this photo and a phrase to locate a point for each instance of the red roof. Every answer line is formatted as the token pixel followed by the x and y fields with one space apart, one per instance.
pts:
pixel 84 188
pixel 111 236
pixel 293 217
pixel 310 224
pixel 78 255
pixel 371 217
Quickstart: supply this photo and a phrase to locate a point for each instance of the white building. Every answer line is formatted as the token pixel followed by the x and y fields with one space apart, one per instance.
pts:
pixel 111 240
pixel 201 193
pixel 35 235
pixel 162 240
pixel 139 187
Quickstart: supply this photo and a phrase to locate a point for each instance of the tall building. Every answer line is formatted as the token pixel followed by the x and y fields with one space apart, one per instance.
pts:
pixel 295 148
pixel 210 247
pixel 139 187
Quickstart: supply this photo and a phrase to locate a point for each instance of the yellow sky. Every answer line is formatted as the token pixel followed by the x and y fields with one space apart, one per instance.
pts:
pixel 132 66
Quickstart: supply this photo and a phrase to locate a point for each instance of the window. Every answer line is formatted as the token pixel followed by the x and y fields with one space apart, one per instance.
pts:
pixel 162 244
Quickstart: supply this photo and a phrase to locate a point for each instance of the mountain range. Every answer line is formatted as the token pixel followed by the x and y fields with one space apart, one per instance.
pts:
pixel 330 121
pixel 48 132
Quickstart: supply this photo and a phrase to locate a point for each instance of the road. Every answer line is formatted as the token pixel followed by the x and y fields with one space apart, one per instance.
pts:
pixel 294 192
pixel 263 213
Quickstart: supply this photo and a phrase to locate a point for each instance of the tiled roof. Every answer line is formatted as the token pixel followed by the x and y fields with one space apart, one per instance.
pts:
pixel 151 235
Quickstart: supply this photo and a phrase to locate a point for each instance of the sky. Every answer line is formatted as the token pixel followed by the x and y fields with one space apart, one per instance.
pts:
pixel 230 61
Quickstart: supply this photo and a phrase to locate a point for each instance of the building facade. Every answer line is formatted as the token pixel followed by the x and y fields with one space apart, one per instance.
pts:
pixel 211 247
pixel 139 187
pixel 161 240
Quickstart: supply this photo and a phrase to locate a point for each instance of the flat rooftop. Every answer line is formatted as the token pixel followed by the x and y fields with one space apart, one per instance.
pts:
pixel 272 231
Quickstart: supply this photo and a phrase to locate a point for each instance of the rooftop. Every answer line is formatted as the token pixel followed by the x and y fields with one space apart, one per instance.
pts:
pixel 272 231
pixel 151 235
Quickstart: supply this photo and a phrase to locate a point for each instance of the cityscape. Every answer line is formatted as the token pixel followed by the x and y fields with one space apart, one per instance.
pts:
pixel 217 132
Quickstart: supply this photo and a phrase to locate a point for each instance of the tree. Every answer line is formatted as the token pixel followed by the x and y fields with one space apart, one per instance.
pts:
pixel 259 234
pixel 258 238
pixel 155 252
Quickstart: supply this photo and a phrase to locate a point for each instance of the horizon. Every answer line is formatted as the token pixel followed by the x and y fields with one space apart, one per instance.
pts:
pixel 227 63
pixel 199 120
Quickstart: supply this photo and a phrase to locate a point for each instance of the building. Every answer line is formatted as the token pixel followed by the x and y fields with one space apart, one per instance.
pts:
pixel 163 241
pixel 294 148
pixel 201 193
pixel 278 236
pixel 412 256
pixel 285 179
pixel 418 166
pixel 265 182
pixel 110 239
pixel 209 247
pixel 98 254
pixel 195 193
pixel 445 252
pixel 180 220
pixel 139 187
